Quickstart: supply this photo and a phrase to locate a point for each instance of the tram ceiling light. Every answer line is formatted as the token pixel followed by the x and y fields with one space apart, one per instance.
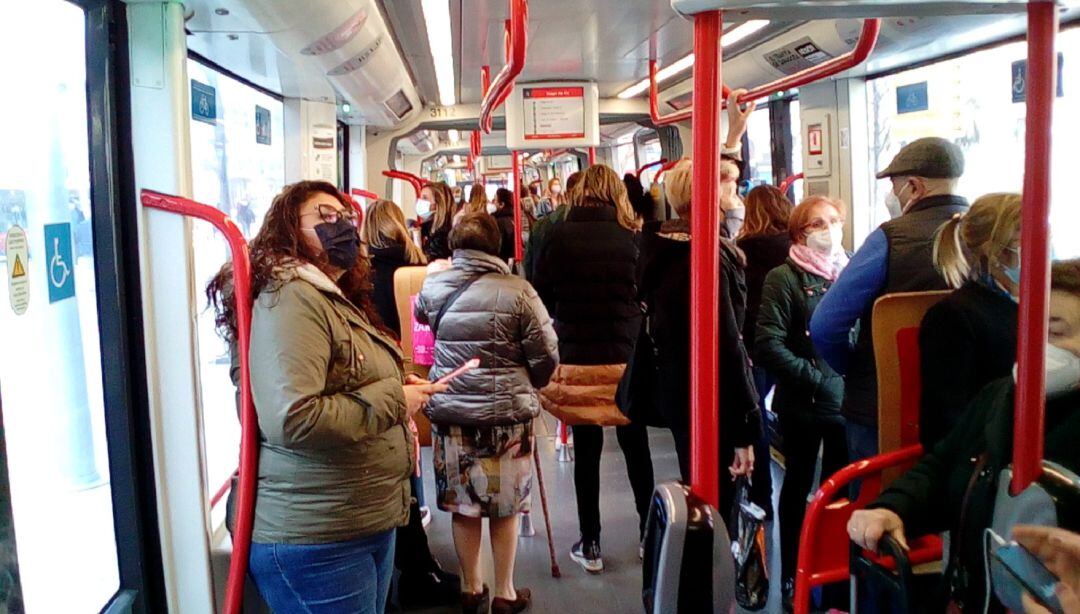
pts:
pixel 453 135
pixel 346 108
pixel 440 40
pixel 731 37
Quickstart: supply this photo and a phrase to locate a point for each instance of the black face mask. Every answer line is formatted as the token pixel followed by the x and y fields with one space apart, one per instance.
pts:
pixel 341 243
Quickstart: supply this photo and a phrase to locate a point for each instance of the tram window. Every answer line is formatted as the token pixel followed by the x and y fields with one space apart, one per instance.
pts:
pixel 624 155
pixel 969 100
pixel 759 162
pixel 239 174
pixel 649 152
pixel 64 553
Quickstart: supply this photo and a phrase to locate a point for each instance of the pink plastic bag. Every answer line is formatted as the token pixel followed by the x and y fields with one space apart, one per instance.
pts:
pixel 423 340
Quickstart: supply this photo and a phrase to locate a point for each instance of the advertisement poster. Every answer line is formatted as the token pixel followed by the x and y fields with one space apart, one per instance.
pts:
pixel 553 113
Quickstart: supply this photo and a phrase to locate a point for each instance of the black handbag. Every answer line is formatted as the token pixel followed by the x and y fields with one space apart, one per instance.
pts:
pixel 638 393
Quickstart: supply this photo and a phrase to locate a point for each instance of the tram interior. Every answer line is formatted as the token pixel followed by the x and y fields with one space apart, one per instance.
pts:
pixel 232 99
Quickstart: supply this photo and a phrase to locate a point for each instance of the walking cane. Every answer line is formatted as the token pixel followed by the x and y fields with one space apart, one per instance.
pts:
pixel 555 573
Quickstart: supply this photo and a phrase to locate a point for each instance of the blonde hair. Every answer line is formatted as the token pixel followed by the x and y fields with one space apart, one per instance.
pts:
pixel 442 204
pixel 600 183
pixel 384 225
pixel 477 200
pixel 767 212
pixel 679 182
pixel 556 199
pixel 981 234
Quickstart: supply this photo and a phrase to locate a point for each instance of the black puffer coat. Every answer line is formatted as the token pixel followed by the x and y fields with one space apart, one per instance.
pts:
pixel 587 277
pixel 763 254
pixel 436 240
pixel 501 321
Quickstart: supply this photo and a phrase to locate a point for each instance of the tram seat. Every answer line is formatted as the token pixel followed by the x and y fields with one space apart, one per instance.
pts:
pixel 824 552
pixel 897 320
pixel 407 283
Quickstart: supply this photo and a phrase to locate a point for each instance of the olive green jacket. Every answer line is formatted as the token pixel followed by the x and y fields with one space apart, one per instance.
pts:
pixel 336 450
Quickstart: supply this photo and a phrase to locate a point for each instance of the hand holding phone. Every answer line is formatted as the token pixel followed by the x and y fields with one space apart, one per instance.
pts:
pixel 1038 581
pixel 470 364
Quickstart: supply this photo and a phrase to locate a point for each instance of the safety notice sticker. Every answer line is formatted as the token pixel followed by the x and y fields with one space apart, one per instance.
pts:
pixel 796 56
pixel 59 262
pixel 18 270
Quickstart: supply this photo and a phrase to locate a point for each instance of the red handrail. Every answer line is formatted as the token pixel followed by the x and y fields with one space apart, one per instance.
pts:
pixel 416 182
pixel 1029 414
pixel 517 32
pixel 516 167
pixel 660 162
pixel 787 183
pixel 705 262
pixel 224 488
pixel 249 427
pixel 865 45
pixel 665 168
pixel 364 193
pixel 826 496
pixel 592 156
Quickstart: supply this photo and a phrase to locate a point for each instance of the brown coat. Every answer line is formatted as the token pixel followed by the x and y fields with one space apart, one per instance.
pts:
pixel 585 394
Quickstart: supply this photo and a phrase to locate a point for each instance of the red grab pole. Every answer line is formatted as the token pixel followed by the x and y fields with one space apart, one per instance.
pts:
pixel 416 182
pixel 787 183
pixel 519 253
pixel 1035 252
pixel 516 33
pixel 660 162
pixel 705 262
pixel 249 424
pixel 592 156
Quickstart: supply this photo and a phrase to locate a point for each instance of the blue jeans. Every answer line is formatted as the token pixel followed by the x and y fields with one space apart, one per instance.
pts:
pixel 351 576
pixel 862 443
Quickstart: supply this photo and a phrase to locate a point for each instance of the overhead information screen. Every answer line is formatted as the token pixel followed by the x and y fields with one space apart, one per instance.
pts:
pixel 553 114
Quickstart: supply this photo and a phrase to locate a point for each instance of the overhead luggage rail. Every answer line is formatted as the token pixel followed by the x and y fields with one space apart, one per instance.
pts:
pixel 516 38
pixel 249 427
pixel 416 182
pixel 644 167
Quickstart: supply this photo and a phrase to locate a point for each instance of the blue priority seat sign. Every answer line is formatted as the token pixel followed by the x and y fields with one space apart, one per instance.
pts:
pixel 59 263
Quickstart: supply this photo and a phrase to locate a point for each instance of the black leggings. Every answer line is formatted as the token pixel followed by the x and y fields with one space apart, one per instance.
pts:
pixel 801 441
pixel 412 555
pixel 588 444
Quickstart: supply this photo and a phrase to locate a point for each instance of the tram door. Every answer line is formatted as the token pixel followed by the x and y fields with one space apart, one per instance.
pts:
pixel 59 547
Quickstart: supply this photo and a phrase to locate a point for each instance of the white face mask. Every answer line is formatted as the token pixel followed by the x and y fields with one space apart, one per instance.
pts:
pixel 893 204
pixel 1062 371
pixel 828 241
pixel 492 208
pixel 423 207
pixel 556 189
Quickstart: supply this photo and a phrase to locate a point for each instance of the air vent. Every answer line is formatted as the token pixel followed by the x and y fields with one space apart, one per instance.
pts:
pixel 399 104
pixel 339 37
pixel 358 61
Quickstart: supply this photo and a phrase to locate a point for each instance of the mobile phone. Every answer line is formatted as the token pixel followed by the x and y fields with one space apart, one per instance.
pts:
pixel 470 364
pixel 1029 571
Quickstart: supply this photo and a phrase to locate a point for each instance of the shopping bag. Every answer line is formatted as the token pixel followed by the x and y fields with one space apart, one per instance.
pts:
pixel 423 339
pixel 748 549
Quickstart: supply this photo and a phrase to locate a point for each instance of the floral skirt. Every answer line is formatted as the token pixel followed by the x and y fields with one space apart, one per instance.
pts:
pixel 483 471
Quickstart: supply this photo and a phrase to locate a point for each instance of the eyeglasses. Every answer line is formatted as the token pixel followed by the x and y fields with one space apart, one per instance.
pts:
pixel 331 214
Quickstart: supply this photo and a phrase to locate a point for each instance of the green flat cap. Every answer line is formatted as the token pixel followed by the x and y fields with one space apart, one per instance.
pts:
pixel 931 157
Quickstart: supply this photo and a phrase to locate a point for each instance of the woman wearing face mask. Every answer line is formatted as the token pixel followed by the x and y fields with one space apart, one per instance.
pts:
pixel 434 209
pixel 503 211
pixel 808 392
pixel 953 487
pixel 969 338
pixel 477 202
pixel 333 405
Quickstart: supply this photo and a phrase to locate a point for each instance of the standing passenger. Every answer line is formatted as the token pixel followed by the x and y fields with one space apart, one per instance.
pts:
pixel 477 202
pixel 332 428
pixel 587 278
pixel 435 208
pixel 969 339
pixel 483 424
pixel 665 288
pixel 540 231
pixel 765 240
pixel 808 392
pixel 897 257
pixel 504 216
pixel 387 242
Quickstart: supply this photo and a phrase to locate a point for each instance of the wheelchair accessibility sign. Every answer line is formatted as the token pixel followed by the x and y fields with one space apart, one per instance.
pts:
pixel 60 266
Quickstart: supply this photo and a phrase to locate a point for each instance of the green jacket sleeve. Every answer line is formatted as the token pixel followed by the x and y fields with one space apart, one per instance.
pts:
pixel 774 323
pixel 290 354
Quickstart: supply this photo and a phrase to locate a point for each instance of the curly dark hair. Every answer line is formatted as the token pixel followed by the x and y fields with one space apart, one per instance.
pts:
pixel 279 242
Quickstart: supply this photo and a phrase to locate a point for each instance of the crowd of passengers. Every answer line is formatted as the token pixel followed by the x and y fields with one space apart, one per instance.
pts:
pixel 604 285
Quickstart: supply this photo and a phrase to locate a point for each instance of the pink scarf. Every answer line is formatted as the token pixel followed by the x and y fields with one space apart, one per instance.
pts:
pixel 822 265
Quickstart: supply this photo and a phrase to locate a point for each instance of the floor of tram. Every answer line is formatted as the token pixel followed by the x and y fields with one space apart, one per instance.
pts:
pixel 618 588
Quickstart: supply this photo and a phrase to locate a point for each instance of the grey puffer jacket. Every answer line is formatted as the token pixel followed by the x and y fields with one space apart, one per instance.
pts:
pixel 500 320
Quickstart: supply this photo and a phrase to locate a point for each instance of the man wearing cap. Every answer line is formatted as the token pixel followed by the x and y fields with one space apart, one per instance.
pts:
pixel 897 257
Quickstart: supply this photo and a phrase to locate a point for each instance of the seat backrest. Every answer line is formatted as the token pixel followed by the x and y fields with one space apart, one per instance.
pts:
pixel 897 319
pixel 407 283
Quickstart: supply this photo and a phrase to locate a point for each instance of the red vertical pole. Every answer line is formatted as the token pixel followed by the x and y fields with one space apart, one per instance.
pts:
pixel 705 262
pixel 518 248
pixel 592 156
pixel 1035 248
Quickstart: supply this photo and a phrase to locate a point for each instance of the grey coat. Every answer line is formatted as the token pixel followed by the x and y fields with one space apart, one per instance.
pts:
pixel 501 321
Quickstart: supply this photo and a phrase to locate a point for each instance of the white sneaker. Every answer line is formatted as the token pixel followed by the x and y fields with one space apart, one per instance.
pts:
pixel 587 554
pixel 425 516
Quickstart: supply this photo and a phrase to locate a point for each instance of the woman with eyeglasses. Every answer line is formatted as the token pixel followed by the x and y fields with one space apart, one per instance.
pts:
pixel 808 392
pixel 333 406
